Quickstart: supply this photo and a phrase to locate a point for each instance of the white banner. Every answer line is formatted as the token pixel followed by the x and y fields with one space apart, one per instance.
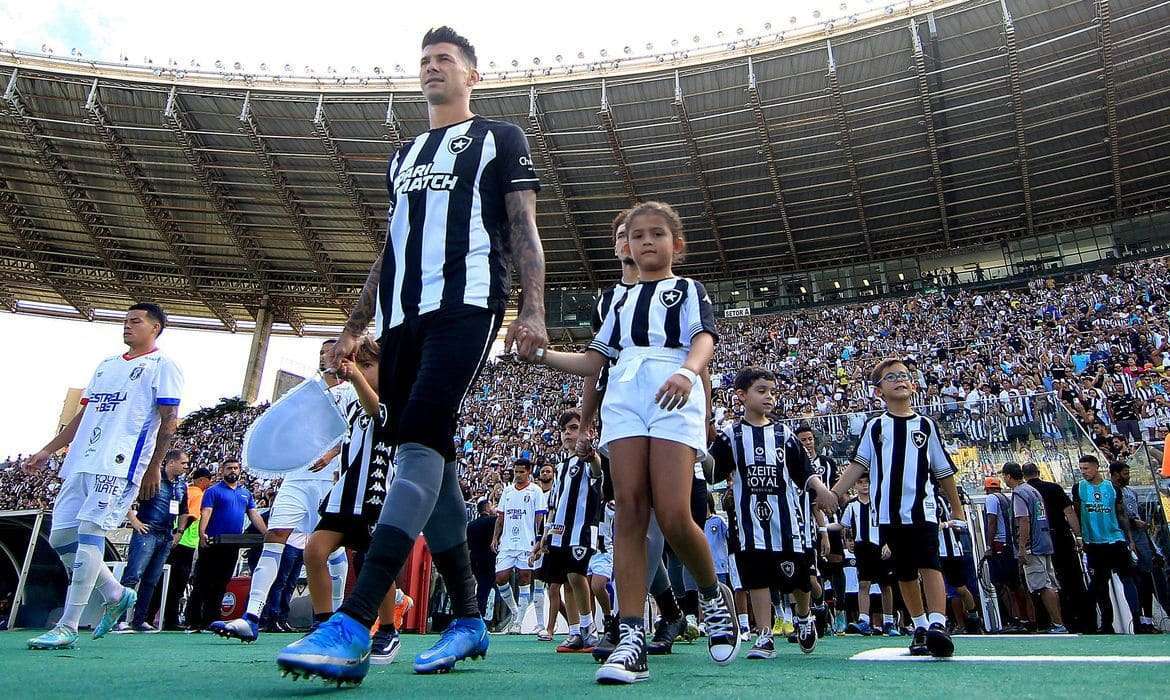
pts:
pixel 735 313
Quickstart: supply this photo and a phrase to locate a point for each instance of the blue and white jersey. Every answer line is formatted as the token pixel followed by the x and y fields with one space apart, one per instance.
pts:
pixel 117 432
pixel 519 508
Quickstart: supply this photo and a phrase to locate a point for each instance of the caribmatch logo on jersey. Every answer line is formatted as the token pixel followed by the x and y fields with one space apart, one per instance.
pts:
pixel 459 144
pixel 919 438
pixel 670 298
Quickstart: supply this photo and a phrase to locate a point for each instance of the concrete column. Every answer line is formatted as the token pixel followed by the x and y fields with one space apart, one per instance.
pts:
pixel 256 354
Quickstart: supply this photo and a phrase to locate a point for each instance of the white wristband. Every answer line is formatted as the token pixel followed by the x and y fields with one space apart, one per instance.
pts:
pixel 694 378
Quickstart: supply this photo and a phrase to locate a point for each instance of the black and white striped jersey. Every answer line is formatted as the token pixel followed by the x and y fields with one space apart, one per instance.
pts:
pixel 768 468
pixel 905 457
pixel 825 468
pixel 572 506
pixel 367 464
pixel 949 544
pixel 447 238
pixel 604 305
pixel 858 517
pixel 666 313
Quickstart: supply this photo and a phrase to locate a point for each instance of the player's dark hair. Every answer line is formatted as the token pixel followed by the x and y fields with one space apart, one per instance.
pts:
pixel 668 214
pixel 522 462
pixel 1031 471
pixel 804 428
pixel 750 375
pixel 875 377
pixel 230 460
pixel 619 222
pixel 172 455
pixel 1116 468
pixel 154 312
pixel 329 342
pixel 447 35
pixel 1091 459
pixel 568 417
pixel 1013 470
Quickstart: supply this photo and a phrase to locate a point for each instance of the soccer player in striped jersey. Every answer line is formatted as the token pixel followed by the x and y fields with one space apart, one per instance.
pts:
pixel 117 440
pixel 873 564
pixel 662 335
pixel 908 466
pixel 569 542
pixel 769 468
pixel 956 565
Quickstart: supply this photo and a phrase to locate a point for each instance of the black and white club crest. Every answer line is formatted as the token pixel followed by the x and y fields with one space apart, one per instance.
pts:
pixel 788 568
pixel 459 144
pixel 919 438
pixel 670 297
pixel 579 553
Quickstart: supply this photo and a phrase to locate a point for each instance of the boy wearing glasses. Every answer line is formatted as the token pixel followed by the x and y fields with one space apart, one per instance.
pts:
pixel 908 466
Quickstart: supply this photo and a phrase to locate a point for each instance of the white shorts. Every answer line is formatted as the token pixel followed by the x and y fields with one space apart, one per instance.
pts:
pixel 601 564
pixel 733 574
pixel 629 410
pixel 296 505
pixel 513 559
pixel 95 498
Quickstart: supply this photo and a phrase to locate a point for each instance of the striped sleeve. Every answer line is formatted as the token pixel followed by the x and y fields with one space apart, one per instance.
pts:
pixel 864 453
pixel 941 465
pixel 699 315
pixel 600 341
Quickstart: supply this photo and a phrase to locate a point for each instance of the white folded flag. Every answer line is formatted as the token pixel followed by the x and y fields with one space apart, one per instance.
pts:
pixel 295 431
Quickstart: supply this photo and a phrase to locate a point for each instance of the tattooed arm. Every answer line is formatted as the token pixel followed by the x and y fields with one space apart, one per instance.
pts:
pixel 528 258
pixel 361 315
pixel 168 424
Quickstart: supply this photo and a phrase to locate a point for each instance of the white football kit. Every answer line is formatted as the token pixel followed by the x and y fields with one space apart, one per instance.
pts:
pixel 519 508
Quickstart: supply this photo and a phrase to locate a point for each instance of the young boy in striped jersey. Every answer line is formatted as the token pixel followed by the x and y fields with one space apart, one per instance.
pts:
pixel 908 465
pixel 872 564
pixel 769 468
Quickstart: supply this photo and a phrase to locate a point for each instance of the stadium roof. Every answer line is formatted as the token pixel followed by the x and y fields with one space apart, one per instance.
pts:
pixel 949 125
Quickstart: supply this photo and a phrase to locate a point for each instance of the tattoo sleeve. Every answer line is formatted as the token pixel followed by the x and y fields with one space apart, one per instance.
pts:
pixel 367 301
pixel 168 425
pixel 527 252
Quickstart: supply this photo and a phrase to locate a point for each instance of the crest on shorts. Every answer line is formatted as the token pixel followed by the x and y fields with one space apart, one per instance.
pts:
pixel 578 553
pixel 670 298
pixel 788 568
pixel 459 144
pixel 136 372
pixel 919 438
pixel 763 511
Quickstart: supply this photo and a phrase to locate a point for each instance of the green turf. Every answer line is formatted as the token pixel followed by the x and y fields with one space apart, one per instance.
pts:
pixel 176 665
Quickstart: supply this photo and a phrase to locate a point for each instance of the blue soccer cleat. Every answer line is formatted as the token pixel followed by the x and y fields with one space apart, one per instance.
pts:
pixel 246 628
pixel 60 637
pixel 114 612
pixel 861 627
pixel 338 651
pixel 465 637
pixel 891 630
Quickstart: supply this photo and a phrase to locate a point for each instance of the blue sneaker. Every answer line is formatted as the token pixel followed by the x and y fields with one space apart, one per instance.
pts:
pixel 114 612
pixel 246 628
pixel 465 637
pixel 60 637
pixel 338 651
pixel 861 627
pixel 891 630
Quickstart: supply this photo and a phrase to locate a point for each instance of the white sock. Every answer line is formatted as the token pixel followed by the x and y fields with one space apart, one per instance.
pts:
pixel 338 564
pixel 888 619
pixel 920 621
pixel 575 629
pixel 538 599
pixel 523 603
pixel 787 614
pixel 586 621
pixel 264 576
pixel 489 610
pixel 863 617
pixel 64 543
pixel 508 594
pixel 743 621
pixel 938 618
pixel 87 564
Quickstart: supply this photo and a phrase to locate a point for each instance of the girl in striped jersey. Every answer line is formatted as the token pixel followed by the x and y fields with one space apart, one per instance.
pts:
pixel 662 335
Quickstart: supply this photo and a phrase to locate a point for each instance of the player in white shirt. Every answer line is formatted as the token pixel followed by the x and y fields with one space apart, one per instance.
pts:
pixel 295 509
pixel 521 515
pixel 129 414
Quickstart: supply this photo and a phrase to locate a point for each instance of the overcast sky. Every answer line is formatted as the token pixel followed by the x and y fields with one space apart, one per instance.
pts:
pixel 44 357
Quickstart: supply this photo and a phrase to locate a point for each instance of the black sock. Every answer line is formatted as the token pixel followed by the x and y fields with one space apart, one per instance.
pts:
pixel 708 592
pixel 667 605
pixel 321 617
pixel 454 565
pixel 692 602
pixel 388 551
pixel 387 628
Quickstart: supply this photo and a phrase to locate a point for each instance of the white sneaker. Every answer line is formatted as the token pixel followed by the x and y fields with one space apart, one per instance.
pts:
pixel 122 628
pixel 145 628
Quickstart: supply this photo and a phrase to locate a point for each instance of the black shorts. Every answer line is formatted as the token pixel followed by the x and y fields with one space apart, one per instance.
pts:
pixel 1113 557
pixel 912 547
pixel 355 530
pixel 956 571
pixel 428 365
pixel 871 567
pixel 699 502
pixel 559 562
pixel 784 571
pixel 1004 569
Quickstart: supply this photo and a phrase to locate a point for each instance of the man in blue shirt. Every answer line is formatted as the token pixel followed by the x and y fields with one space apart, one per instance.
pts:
pixel 225 505
pixel 153 522
pixel 1107 541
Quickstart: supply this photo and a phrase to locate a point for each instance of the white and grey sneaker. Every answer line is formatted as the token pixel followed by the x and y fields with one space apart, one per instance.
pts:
pixel 627 663
pixel 764 648
pixel 722 633
pixel 122 628
pixel 806 634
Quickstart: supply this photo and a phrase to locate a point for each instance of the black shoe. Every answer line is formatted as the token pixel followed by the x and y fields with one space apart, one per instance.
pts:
pixel 627 663
pixel 792 638
pixel 973 625
pixel 938 642
pixel 665 632
pixel 918 643
pixel 806 633
pixel 608 641
pixel 719 622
